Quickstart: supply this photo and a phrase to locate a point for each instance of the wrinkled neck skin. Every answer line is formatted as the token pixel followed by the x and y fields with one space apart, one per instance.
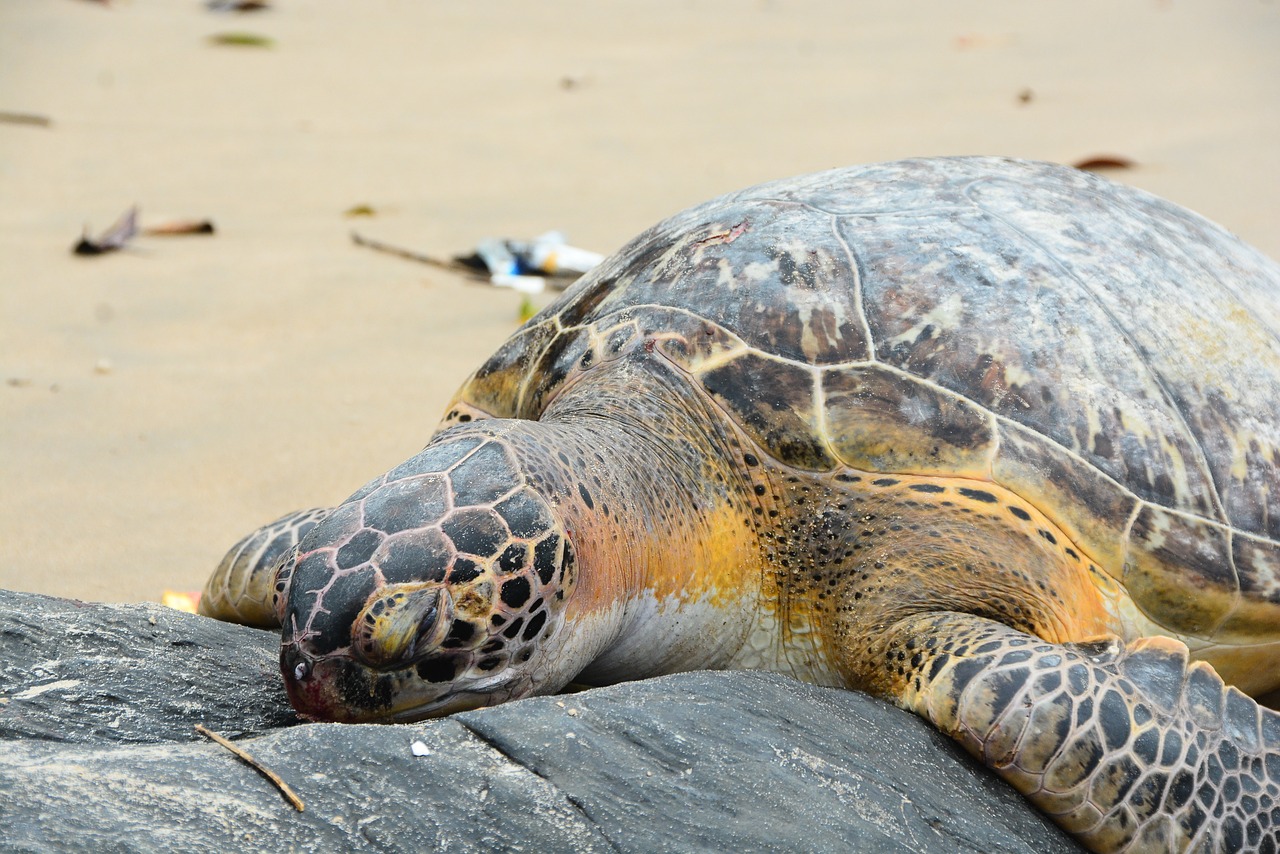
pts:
pixel 643 481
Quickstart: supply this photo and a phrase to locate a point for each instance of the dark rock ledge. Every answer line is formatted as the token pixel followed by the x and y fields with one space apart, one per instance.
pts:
pixel 98 705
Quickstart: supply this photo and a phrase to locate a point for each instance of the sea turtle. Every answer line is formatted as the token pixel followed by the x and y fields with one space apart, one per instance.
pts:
pixel 992 439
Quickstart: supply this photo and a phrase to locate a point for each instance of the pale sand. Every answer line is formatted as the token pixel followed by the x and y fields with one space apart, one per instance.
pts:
pixel 276 366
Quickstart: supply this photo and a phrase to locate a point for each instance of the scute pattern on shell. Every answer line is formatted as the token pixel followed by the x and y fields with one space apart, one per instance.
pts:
pixel 1109 356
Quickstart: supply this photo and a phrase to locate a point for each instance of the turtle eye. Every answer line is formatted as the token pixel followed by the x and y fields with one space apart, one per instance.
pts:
pixel 402 625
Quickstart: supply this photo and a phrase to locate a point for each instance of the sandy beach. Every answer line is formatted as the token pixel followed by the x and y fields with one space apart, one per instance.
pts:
pixel 161 401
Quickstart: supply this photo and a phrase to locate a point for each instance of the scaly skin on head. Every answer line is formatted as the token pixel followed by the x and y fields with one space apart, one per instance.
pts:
pixel 503 559
pixel 427 590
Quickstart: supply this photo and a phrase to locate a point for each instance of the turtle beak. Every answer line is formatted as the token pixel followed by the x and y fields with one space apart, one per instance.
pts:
pixel 308 689
pixel 338 688
pixel 331 688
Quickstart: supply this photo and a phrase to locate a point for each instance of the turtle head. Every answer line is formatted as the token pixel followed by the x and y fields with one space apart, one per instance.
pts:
pixel 438 587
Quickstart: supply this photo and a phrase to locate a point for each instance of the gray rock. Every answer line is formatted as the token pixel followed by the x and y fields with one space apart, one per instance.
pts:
pixel 696 761
pixel 88 672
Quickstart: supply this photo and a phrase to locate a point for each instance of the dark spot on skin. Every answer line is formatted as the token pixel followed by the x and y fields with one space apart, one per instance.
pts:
pixel 750 459
pixel 535 625
pixel 438 670
pixel 514 629
pixel 459 633
pixel 464 570
pixel 567 563
pixel 978 495
pixel 927 487
pixel 544 558
pixel 1020 513
pixel 760 490
pixel 515 592
pixel 490 663
pixel 586 497
pixel 885 481
pixel 464 418
pixel 513 558
pixel 1048 536
pixel 845 477
pixel 358 549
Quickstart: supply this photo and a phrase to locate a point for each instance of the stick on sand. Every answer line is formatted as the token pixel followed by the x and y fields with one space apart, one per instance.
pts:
pixel 454 266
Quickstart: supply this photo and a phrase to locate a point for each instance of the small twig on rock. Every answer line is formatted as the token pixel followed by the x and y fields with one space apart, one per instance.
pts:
pixel 255 764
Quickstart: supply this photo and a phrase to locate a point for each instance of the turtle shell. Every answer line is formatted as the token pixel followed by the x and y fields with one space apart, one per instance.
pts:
pixel 1110 357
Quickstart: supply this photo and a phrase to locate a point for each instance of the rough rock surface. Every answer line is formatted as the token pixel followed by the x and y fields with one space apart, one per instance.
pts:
pixel 88 672
pixel 697 761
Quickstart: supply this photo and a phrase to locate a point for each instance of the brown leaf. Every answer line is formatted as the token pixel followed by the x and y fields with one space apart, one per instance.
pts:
pixel 1103 162
pixel 115 237
pixel 237 5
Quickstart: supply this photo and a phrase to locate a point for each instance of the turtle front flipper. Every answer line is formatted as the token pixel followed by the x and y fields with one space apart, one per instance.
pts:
pixel 245 586
pixel 1123 745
